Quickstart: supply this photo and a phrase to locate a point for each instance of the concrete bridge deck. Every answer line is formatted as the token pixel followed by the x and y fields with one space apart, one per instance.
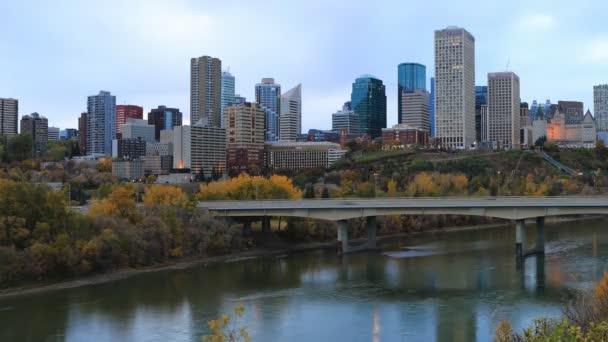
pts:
pixel 514 208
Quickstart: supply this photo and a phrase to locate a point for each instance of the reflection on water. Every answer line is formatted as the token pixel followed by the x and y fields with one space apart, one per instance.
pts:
pixel 453 286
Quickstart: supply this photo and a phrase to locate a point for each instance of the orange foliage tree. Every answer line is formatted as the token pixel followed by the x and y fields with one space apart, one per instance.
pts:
pixel 246 187
pixel 120 203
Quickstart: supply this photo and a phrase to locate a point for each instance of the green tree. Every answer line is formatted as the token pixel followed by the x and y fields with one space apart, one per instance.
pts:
pixel 21 147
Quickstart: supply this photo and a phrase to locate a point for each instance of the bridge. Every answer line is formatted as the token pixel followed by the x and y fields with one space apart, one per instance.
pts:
pixel 517 209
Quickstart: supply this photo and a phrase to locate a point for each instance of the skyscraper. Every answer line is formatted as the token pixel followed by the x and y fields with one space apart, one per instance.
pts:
pixel 82 133
pixel 600 107
pixel 455 87
pixel 533 109
pixel 503 109
pixel 481 98
pixel 164 118
pixel 227 97
pixel 368 100
pixel 411 77
pixel 101 123
pixel 244 136
pixel 9 117
pixel 125 112
pixel 38 127
pixel 432 107
pixel 290 118
pixel 205 90
pixel 268 96
pixel 53 133
pixel 415 109
pixel 345 119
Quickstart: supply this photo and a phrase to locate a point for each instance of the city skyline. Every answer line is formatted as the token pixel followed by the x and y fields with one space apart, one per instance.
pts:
pixel 132 76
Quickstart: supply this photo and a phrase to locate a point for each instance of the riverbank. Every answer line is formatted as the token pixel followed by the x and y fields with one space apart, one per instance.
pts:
pixel 239 256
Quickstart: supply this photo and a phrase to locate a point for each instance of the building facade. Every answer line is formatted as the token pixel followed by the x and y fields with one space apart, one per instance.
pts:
pixel 128 169
pixel 125 112
pixel 205 90
pixel 268 97
pixel 415 109
pixel 82 133
pixel 571 108
pixel 455 88
pixel 368 100
pixel 405 134
pixel 295 156
pixel 181 147
pixel 9 117
pixel 101 123
pixel 432 107
pixel 345 119
pixel 600 107
pixel 208 150
pixel 69 134
pixel 410 78
pixel 138 128
pixel 54 133
pixel 227 93
pixel 572 130
pixel 503 109
pixel 163 118
pixel 159 149
pixel 245 132
pixel 128 148
pixel 484 135
pixel 38 127
pixel 290 117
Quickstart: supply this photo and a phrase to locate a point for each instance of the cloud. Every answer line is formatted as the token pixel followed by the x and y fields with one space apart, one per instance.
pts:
pixel 536 22
pixel 595 51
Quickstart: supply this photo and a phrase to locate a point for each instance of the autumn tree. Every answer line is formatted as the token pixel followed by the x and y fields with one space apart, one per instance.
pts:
pixel 120 203
pixel 165 195
pixel 246 187
pixel 104 165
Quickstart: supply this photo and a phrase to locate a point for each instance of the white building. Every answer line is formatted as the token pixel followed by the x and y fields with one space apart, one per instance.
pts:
pixel 138 128
pixel 208 149
pixel 600 107
pixel 53 133
pixel 415 109
pixel 296 156
pixel 345 119
pixel 503 109
pixel 455 87
pixel 181 147
pixel 290 119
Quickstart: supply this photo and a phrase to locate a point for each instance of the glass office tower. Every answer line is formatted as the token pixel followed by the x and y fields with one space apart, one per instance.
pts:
pixel 411 77
pixel 368 100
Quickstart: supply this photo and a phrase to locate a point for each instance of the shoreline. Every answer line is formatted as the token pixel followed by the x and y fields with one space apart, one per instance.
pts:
pixel 121 274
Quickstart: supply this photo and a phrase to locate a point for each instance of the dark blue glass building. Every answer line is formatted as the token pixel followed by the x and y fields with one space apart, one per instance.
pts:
pixel 368 100
pixel 481 99
pixel 411 77
pixel 432 107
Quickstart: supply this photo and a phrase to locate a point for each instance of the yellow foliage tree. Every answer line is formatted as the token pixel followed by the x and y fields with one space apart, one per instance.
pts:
pixel 246 187
pixel 120 202
pixel 165 195
pixel 104 165
pixel 391 188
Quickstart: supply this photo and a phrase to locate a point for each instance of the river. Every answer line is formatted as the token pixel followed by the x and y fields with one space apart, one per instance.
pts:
pixel 453 286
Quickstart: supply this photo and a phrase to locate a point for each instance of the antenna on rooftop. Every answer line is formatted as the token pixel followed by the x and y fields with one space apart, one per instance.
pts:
pixel 508 63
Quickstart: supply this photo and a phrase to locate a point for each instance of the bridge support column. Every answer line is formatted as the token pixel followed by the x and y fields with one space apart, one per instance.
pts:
pixel 520 242
pixel 540 235
pixel 342 237
pixel 247 228
pixel 371 232
pixel 266 224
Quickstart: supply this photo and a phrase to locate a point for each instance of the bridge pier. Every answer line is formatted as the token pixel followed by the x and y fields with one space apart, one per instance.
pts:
pixel 247 228
pixel 520 242
pixel 342 237
pixel 266 224
pixel 540 235
pixel 371 232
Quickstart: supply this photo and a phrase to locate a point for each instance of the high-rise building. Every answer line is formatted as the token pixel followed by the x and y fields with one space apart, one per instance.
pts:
pixel 415 109
pixel 38 127
pixel 128 148
pixel 239 100
pixel 82 133
pixel 484 124
pixel 244 136
pixel 432 107
pixel 9 117
pixel 411 77
pixel 205 90
pixel 368 100
pixel 207 150
pixel 503 109
pixel 345 119
pixel 524 115
pixel 455 87
pixel 290 118
pixel 69 133
pixel 268 96
pixel 101 123
pixel 164 118
pixel 227 96
pixel 138 128
pixel 181 147
pixel 53 133
pixel 481 98
pixel 125 112
pixel 600 107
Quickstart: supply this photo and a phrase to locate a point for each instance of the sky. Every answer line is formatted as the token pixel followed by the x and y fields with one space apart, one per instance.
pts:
pixel 53 54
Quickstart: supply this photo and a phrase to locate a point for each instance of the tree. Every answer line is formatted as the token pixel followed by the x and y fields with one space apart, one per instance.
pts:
pixel 56 151
pixel 120 203
pixel 391 188
pixel 600 149
pixel 104 165
pixel 246 187
pixel 165 195
pixel 309 192
pixel 325 192
pixel 21 147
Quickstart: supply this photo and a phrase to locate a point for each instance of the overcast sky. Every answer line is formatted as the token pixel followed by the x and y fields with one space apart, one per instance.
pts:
pixel 53 54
